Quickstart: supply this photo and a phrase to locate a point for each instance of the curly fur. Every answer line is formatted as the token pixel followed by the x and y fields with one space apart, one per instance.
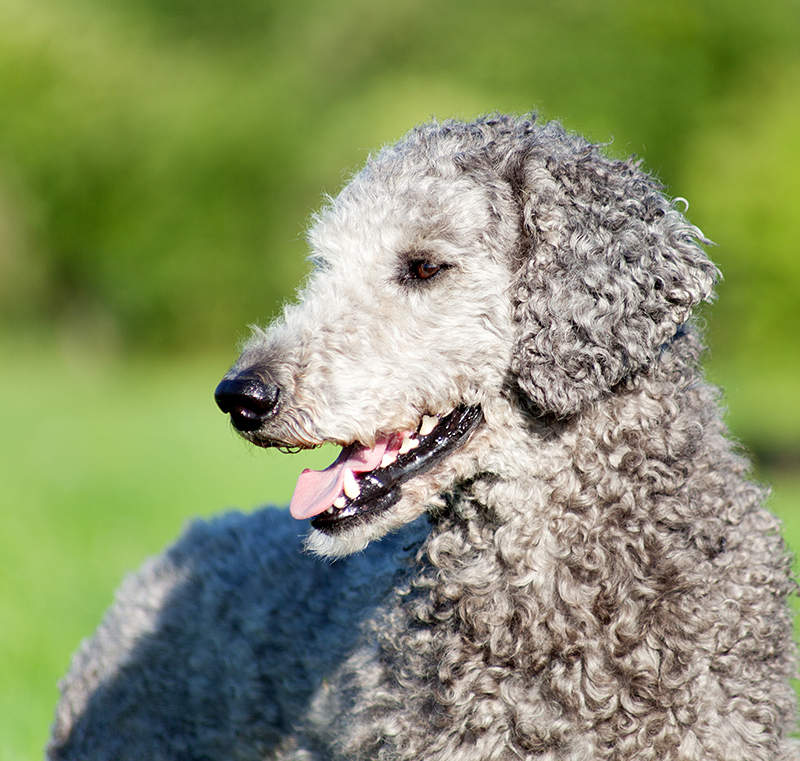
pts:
pixel 596 578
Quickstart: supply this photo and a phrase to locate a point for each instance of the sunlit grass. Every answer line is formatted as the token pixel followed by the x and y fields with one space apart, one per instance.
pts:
pixel 101 463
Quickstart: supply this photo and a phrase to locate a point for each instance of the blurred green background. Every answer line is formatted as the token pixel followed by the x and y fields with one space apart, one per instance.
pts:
pixel 159 160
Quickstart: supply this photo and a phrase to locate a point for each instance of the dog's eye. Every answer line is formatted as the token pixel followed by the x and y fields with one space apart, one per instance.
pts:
pixel 420 269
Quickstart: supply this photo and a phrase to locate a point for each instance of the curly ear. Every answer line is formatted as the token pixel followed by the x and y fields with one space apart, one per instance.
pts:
pixel 609 270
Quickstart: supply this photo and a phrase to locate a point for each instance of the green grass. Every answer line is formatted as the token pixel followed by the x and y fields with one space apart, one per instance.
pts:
pixel 102 461
pixel 785 502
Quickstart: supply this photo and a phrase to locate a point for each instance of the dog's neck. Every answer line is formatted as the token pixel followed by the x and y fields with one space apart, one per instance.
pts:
pixel 618 460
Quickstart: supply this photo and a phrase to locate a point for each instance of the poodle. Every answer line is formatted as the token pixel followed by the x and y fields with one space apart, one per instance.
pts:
pixel 547 546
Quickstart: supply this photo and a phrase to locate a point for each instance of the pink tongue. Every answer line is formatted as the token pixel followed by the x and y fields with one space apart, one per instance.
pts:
pixel 316 489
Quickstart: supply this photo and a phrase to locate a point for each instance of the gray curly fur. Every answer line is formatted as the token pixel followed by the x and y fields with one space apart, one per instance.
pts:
pixel 591 576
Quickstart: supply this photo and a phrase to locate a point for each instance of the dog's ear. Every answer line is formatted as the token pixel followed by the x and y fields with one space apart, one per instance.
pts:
pixel 608 270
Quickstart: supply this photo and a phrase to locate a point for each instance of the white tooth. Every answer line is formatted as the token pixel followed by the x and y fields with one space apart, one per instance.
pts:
pixel 388 459
pixel 428 424
pixel 339 502
pixel 351 487
pixel 407 445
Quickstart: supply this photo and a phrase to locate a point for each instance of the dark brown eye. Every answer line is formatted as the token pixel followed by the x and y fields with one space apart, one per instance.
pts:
pixel 422 270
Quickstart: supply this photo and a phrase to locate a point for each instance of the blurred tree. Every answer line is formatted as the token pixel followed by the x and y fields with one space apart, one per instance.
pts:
pixel 159 159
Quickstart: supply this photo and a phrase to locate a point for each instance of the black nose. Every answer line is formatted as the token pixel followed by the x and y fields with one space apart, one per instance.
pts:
pixel 248 400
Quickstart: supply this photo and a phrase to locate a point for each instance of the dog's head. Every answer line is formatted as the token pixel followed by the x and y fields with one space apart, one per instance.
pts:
pixel 462 267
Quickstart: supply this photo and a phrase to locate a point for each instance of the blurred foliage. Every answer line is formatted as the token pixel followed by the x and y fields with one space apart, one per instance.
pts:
pixel 743 170
pixel 159 158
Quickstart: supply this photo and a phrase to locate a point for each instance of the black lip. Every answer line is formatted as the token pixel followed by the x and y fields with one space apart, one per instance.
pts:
pixel 380 488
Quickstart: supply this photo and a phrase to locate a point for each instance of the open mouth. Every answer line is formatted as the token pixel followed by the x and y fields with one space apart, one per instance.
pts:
pixel 364 481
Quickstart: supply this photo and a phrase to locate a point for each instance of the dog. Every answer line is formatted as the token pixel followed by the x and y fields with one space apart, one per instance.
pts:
pixel 547 546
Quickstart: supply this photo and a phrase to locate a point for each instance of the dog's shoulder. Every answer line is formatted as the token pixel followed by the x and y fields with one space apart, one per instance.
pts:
pixel 234 617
